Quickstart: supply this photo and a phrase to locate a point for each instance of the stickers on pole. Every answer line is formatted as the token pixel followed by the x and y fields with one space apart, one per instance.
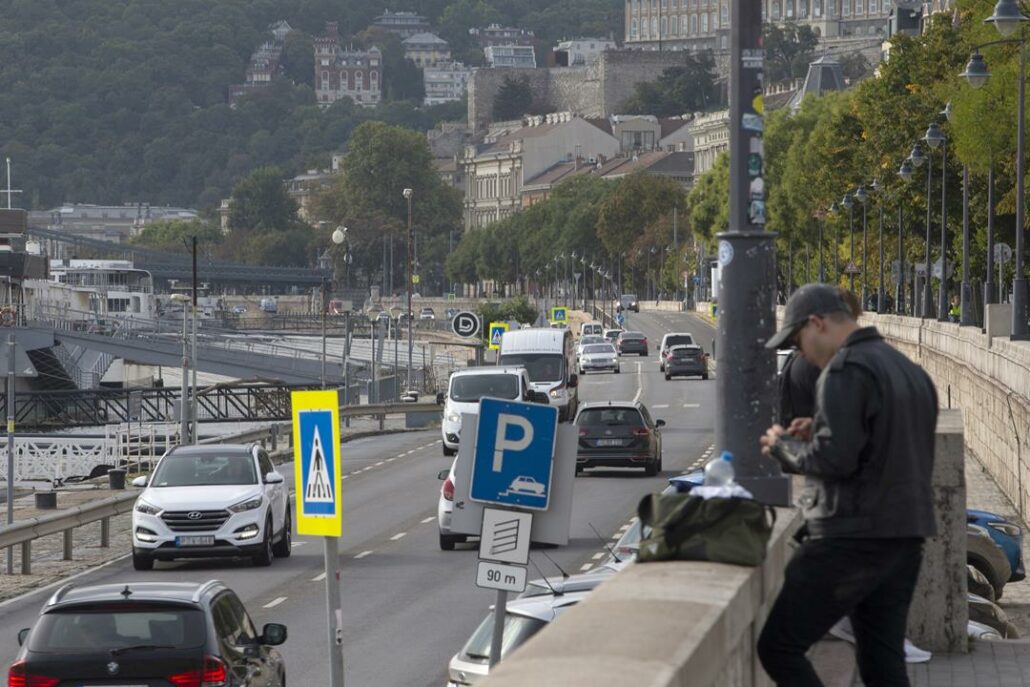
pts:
pixel 316 461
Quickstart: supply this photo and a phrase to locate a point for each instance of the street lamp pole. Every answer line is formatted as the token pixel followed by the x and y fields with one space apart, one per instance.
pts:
pixel 863 197
pixel 407 196
pixel 990 289
pixel 881 296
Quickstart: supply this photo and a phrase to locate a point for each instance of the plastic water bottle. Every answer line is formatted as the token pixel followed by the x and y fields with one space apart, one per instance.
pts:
pixel 719 471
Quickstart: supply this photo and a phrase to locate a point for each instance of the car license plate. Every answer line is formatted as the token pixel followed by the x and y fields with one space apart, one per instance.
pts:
pixel 195 540
pixel 609 442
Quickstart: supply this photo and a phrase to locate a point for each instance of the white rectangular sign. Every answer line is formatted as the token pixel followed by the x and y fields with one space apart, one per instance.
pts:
pixel 508 578
pixel 505 536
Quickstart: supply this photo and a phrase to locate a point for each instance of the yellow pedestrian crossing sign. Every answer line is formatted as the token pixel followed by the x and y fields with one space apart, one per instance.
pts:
pixel 559 313
pixel 316 462
pixel 497 330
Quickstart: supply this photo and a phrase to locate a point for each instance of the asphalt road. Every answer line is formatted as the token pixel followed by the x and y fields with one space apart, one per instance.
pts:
pixel 407 605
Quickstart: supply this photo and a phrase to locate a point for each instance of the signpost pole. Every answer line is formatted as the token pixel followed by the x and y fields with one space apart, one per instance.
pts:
pixel 500 611
pixel 10 441
pixel 331 548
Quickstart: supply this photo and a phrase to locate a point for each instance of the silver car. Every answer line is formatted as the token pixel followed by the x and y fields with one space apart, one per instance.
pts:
pixel 599 356
pixel 524 618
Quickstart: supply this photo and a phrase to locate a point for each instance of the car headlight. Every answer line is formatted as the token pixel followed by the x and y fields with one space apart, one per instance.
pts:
pixel 145 508
pixel 1006 528
pixel 557 393
pixel 249 504
pixel 454 417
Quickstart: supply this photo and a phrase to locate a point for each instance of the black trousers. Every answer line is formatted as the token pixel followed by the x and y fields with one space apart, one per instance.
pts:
pixel 870 580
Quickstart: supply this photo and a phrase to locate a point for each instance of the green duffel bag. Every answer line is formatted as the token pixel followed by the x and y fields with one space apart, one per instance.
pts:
pixel 690 528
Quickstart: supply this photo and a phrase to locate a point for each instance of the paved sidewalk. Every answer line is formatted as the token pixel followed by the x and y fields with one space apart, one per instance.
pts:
pixel 1004 663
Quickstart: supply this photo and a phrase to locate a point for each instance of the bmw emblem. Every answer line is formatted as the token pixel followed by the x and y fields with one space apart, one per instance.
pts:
pixel 112 668
pixel 194 515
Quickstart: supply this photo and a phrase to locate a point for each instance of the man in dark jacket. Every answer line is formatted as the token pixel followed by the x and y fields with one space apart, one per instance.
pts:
pixel 868 459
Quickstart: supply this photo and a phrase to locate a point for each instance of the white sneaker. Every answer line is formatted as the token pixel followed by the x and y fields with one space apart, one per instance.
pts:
pixel 913 654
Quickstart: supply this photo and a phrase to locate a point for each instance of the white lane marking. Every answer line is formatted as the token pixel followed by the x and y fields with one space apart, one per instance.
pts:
pixel 617 536
pixel 438 441
pixel 379 463
pixel 691 405
pixel 275 602
pixel 585 567
pixel 660 405
pixel 298 543
pixel 390 460
pixel 598 555
pixel 397 536
pixel 363 554
pixel 640 383
pixel 429 519
pixel 318 578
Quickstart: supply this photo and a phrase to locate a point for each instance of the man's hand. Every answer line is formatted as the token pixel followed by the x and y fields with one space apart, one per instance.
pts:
pixel 801 428
pixel 770 437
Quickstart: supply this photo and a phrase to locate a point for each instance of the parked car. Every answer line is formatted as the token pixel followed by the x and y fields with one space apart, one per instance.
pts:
pixel 670 340
pixel 524 617
pixel 269 305
pixel 583 582
pixel 614 434
pixel 1005 534
pixel 599 356
pixel 632 342
pixel 427 314
pixel 984 554
pixel 686 361
pixel 629 302
pixel 239 310
pixel 989 613
pixel 216 501
pixel 167 633
pixel 445 508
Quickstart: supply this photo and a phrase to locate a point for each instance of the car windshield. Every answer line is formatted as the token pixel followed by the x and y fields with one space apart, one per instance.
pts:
pixel 678 340
pixel 118 626
pixel 629 297
pixel 591 339
pixel 471 388
pixel 204 469
pixel 517 629
pixel 592 417
pixel 542 367
pixel 599 348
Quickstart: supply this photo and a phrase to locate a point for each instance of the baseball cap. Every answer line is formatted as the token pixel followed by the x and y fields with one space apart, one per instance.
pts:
pixel 810 299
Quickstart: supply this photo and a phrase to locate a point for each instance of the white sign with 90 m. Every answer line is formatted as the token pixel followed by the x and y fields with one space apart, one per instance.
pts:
pixel 507 578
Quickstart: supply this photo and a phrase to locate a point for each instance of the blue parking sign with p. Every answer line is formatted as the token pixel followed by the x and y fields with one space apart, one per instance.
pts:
pixel 514 454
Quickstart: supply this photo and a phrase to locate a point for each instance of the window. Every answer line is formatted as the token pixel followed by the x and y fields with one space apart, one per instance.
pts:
pixel 704 23
pixel 633 29
pixel 693 23
pixel 359 81
pixel 803 9
pixel 725 10
pixel 683 25
pixel 776 10
pixel 715 22
pixel 789 9
pixel 859 6
pixel 265 463
pixel 846 5
pixel 673 25
pixel 665 26
pixel 654 27
pixel 817 8
pixel 325 79
pixel 872 6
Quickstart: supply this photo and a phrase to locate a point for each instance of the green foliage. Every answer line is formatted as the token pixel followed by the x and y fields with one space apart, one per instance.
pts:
pixel 788 50
pixel 517 309
pixel 628 217
pixel 260 203
pixel 708 201
pixel 175 236
pixel 513 99
pixel 690 88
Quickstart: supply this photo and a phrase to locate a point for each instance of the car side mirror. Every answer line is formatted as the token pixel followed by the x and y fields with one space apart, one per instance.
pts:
pixel 140 481
pixel 273 634
pixel 659 423
pixel 273 478
pixel 573 381
pixel 442 475
pixel 23 634
pixel 440 398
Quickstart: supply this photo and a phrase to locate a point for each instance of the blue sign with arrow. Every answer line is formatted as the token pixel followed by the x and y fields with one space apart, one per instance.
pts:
pixel 514 454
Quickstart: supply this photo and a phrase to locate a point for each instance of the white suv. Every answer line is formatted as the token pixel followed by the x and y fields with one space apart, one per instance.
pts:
pixel 223 500
pixel 466 387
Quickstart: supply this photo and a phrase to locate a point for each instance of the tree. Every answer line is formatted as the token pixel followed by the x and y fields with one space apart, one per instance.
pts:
pixel 513 99
pixel 260 203
pixel 855 67
pixel 174 236
pixel 299 58
pixel 679 90
pixel 788 50
pixel 636 203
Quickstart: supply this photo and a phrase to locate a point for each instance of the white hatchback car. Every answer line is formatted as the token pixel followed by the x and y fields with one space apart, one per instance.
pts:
pixel 213 501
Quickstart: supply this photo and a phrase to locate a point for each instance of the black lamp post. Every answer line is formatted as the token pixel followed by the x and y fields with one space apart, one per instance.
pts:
pixel 917 157
pixel 849 205
pixel 1007 19
pixel 863 197
pixel 935 138
pixel 899 292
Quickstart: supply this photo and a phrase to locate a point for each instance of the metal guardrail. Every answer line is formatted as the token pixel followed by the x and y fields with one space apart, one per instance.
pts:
pixel 25 532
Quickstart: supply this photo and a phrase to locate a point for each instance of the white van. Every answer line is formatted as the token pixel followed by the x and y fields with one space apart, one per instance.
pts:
pixel 549 358
pixel 591 329
pixel 467 387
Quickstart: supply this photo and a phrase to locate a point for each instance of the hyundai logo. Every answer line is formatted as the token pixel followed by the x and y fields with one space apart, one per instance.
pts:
pixel 112 668
pixel 194 515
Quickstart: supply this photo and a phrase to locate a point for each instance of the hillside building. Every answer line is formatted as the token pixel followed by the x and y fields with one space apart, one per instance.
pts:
pixel 426 50
pixel 345 72
pixel 404 24
pixel 445 82
pixel 523 56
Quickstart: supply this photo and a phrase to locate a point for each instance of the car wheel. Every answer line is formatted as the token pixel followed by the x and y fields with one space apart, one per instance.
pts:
pixel 668 377
pixel 704 376
pixel 284 547
pixel 142 561
pixel 988 571
pixel 264 558
pixel 618 370
pixel 661 367
pixel 449 451
pixel 579 469
pixel 447 542
pixel 651 469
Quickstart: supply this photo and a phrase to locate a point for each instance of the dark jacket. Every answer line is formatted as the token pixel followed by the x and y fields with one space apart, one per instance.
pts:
pixel 870 460
pixel 797 387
